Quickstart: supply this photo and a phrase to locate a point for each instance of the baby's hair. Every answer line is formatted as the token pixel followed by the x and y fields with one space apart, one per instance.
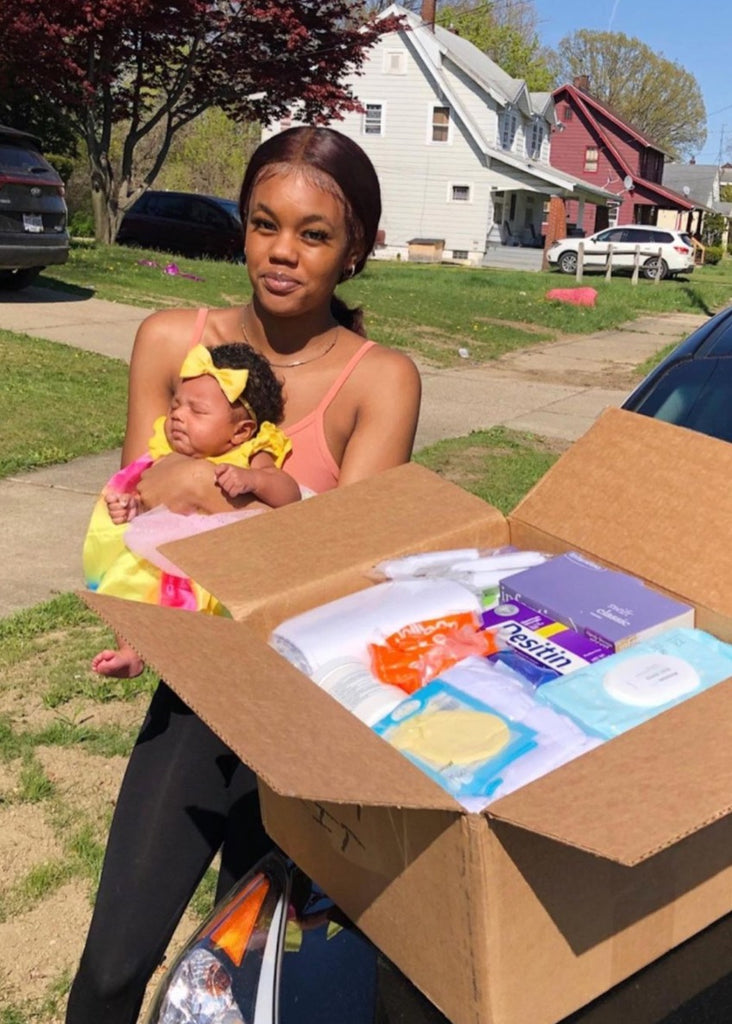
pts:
pixel 263 391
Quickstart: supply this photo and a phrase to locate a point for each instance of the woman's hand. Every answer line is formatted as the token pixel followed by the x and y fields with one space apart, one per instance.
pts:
pixel 184 485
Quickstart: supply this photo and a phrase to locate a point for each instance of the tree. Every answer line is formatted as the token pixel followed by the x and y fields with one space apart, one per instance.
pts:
pixel 656 95
pixel 507 34
pixel 142 64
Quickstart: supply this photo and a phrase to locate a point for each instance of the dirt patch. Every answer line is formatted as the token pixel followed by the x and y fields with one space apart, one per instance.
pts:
pixel 26 840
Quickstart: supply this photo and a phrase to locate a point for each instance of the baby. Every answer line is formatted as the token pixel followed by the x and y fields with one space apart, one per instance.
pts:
pixel 224 409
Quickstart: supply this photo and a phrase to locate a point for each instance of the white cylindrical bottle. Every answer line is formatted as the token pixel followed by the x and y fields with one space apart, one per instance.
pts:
pixel 352 684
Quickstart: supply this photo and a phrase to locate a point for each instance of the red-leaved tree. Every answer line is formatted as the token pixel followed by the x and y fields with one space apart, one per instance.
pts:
pixel 148 65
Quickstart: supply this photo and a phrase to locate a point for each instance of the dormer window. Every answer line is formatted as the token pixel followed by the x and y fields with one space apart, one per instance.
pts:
pixel 509 122
pixel 534 139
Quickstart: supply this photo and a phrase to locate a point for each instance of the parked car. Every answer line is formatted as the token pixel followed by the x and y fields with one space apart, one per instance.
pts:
pixel 677 251
pixel 692 386
pixel 185 223
pixel 277 951
pixel 33 215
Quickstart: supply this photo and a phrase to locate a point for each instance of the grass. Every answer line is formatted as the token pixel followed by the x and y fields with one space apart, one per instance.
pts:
pixel 57 403
pixel 431 311
pixel 499 465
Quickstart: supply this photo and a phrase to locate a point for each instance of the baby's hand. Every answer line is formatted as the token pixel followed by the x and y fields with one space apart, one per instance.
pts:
pixel 122 508
pixel 234 481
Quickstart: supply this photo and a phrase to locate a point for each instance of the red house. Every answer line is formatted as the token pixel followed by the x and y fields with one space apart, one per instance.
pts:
pixel 592 142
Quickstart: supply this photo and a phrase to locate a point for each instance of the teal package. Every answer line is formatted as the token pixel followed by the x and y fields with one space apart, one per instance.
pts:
pixel 622 691
pixel 462 779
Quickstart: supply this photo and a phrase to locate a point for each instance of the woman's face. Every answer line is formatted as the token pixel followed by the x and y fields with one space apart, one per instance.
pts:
pixel 201 422
pixel 296 244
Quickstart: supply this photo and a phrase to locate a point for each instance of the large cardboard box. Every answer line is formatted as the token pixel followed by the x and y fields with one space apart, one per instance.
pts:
pixel 560 890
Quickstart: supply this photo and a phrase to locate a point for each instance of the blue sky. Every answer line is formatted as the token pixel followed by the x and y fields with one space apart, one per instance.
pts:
pixel 697 35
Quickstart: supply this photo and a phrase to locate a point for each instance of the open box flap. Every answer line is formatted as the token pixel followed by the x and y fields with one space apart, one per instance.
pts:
pixel 277 556
pixel 644 496
pixel 640 792
pixel 293 734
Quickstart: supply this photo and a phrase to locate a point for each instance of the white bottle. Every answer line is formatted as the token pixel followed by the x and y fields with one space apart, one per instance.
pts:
pixel 352 684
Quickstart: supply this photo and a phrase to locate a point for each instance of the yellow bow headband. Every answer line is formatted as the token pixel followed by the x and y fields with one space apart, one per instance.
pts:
pixel 198 363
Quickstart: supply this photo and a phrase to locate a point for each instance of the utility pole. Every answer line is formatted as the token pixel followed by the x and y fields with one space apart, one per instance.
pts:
pixel 720 155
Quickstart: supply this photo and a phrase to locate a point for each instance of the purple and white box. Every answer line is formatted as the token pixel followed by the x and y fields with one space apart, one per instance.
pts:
pixel 610 607
pixel 542 640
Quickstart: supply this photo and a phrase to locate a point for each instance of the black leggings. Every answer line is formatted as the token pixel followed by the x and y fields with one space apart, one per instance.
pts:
pixel 184 795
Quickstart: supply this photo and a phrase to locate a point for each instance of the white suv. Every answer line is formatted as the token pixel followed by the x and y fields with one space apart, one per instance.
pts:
pixel 677 250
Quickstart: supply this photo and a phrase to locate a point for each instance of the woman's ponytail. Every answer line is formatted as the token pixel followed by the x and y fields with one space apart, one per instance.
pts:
pixel 350 318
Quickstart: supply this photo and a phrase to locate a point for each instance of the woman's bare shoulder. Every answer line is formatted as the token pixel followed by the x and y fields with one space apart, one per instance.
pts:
pixel 396 365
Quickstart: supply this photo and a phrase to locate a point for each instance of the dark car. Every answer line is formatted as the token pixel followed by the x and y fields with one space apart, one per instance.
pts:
pixel 185 223
pixel 277 951
pixel 692 386
pixel 33 215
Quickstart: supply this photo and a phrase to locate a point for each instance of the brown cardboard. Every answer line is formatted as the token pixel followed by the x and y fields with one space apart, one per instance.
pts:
pixel 561 889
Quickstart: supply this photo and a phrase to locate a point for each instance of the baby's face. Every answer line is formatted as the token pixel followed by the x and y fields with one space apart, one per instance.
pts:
pixel 201 422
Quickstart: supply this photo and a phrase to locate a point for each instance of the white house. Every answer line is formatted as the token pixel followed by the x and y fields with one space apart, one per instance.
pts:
pixel 461 148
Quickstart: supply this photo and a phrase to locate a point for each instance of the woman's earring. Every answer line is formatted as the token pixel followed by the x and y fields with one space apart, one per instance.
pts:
pixel 349 272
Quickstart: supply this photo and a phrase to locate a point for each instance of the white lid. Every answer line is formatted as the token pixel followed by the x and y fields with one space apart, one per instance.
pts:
pixel 649 680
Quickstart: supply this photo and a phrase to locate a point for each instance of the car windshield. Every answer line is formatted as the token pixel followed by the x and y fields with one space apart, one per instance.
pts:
pixel 18 158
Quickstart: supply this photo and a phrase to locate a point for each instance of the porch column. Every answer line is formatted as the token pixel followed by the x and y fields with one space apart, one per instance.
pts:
pixel 581 214
pixel 556 225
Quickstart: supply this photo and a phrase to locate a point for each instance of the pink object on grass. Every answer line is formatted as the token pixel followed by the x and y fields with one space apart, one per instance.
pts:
pixel 574 296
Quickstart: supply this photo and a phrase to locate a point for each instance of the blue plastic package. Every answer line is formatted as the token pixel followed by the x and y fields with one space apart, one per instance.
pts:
pixel 535 674
pixel 636 684
pixel 461 742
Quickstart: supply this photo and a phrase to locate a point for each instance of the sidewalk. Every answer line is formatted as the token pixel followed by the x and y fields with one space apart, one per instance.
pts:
pixel 45 513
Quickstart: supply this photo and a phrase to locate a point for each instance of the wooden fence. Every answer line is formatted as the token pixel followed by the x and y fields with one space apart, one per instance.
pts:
pixel 607 266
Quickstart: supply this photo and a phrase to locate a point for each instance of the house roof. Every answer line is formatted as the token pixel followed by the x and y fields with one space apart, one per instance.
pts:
pixel 435 47
pixel 702 181
pixel 660 194
pixel 613 115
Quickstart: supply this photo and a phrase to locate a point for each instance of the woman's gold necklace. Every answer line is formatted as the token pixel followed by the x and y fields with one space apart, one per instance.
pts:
pixel 296 362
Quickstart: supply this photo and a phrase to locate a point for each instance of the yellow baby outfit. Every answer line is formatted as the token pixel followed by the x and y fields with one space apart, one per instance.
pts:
pixel 110 567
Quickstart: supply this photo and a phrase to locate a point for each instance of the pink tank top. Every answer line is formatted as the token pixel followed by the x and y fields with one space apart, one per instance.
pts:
pixel 310 462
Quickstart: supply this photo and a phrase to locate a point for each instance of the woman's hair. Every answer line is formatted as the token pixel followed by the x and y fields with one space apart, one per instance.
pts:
pixel 263 391
pixel 330 159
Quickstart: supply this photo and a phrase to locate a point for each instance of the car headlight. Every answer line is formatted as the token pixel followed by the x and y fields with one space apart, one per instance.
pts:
pixel 227 972
pixel 200 993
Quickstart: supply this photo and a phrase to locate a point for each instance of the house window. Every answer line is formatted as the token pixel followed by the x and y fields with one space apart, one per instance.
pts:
pixel 459 254
pixel 373 119
pixel 534 139
pixel 508 129
pixel 591 158
pixel 460 193
pixel 567 112
pixel 395 62
pixel 440 124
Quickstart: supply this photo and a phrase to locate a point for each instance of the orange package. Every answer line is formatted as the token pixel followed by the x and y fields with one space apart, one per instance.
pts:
pixel 418 652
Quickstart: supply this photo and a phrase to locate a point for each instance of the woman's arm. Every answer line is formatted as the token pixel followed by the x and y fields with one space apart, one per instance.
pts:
pixel 160 346
pixel 386 418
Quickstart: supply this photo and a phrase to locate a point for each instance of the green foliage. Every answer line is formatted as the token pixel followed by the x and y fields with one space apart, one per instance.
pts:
pixel 63 164
pixel 652 93
pixel 209 155
pixel 725 193
pixel 713 254
pixel 81 224
pixel 506 34
pixel 713 229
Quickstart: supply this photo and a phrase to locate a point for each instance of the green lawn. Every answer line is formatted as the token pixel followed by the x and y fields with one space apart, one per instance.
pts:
pixel 431 311
pixel 56 403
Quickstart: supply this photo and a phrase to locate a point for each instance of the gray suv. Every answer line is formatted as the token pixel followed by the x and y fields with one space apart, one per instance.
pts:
pixel 33 216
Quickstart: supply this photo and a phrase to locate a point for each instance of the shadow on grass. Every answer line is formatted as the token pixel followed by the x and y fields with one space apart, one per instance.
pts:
pixel 697 300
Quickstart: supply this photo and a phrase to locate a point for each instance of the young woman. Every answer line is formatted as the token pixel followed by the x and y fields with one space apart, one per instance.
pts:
pixel 310 206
